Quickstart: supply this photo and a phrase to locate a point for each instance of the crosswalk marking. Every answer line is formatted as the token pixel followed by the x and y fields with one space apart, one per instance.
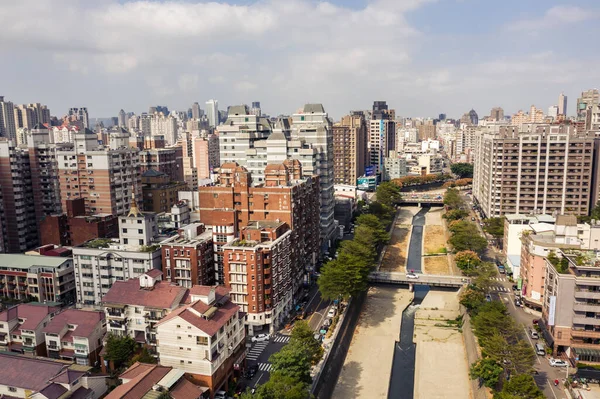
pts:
pixel 281 339
pixel 265 366
pixel 499 279
pixel 256 350
pixel 498 288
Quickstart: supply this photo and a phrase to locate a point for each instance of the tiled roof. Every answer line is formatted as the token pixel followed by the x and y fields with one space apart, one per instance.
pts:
pixel 136 369
pixel 33 314
pixel 68 376
pixel 162 296
pixel 208 326
pixel 85 322
pixel 53 391
pixel 82 393
pixel 186 390
pixel 154 273
pixel 203 290
pixel 140 384
pixel 27 373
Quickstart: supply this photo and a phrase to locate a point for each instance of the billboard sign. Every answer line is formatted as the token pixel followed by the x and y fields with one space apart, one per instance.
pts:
pixel 552 310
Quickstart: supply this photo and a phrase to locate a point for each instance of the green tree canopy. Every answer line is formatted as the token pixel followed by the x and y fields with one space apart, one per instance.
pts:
pixel 374 224
pixel 304 336
pixel 119 349
pixel 388 194
pixel 332 282
pixel 494 226
pixel 463 241
pixel 280 386
pixel 455 214
pixel 521 386
pixel 358 249
pixel 143 357
pixel 293 361
pixel 452 199
pixel 472 298
pixel 488 370
pixel 467 261
pixel 462 170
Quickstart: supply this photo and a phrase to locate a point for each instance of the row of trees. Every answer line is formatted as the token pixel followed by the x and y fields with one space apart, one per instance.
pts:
pixel 462 169
pixel 290 376
pixel 465 235
pixel 347 275
pixel 420 180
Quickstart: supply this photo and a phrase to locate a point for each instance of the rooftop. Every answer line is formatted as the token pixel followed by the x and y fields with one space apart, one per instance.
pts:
pixel 84 321
pixel 28 373
pixel 17 261
pixel 142 378
pixel 33 314
pixel 162 296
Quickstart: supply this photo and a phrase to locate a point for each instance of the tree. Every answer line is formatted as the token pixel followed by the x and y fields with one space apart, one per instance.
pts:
pixel 488 370
pixel 521 386
pixel 119 349
pixel 143 357
pixel 356 248
pixel 494 226
pixel 455 214
pixel 462 169
pixel 382 212
pixel 292 361
pixel 332 282
pixel 483 274
pixel 388 194
pixel 472 299
pixel 377 228
pixel 452 199
pixel 304 336
pixel 463 241
pixel 279 387
pixel 467 261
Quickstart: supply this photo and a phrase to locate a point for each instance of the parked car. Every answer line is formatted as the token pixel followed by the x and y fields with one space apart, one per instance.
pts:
pixel 515 287
pixel 261 338
pixel 221 395
pixel 251 371
pixel 412 276
pixel 534 334
pixel 331 313
pixel 557 362
pixel 517 302
pixel 501 269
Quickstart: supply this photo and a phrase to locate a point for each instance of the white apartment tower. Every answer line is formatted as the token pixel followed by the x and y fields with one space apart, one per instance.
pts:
pixel 212 113
pixel 7 120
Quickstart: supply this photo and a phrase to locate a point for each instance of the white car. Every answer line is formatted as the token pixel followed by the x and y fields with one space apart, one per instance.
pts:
pixel 220 395
pixel 331 313
pixel 261 338
pixel 412 276
pixel 557 362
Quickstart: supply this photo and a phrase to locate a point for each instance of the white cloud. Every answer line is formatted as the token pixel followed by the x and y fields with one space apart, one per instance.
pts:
pixel 188 82
pixel 554 18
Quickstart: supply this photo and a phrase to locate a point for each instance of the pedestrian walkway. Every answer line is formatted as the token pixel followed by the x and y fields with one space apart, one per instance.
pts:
pixel 499 279
pixel 281 339
pixel 499 288
pixel 256 350
pixel 265 366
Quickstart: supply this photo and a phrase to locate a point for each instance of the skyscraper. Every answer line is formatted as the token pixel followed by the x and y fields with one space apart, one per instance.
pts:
pixel 196 111
pixel 562 104
pixel 81 114
pixel 7 120
pixel 497 114
pixel 212 112
pixel 553 111
pixel 588 99
pixel 349 148
pixel 256 108
pixel 122 119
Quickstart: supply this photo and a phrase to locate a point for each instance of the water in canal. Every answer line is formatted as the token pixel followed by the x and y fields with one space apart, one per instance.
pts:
pixel 402 381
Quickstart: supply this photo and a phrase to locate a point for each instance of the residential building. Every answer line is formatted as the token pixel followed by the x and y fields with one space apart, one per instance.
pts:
pixel 350 155
pixel 592 118
pixel 143 380
pixel 427 130
pixel 81 115
pixel 533 169
pixel 382 140
pixel 588 99
pixel 190 173
pixel 497 114
pixel 259 273
pixel 187 258
pixel 569 314
pixel 160 193
pixel 562 104
pixel 381 111
pixel 470 118
pixel 553 112
pixel 25 377
pixel 42 278
pixel 285 197
pixel 196 111
pixel 105 177
pixel 21 328
pixel 8 130
pixel 345 209
pixel 255 110
pixel 29 115
pixel 206 338
pixel 206 155
pixel 100 263
pixel 18 203
pixel 134 306
pixel 122 119
pixel 212 113
pixel 465 140
pixel 74 227
pixel 394 167
pixel 164 125
pixel 166 160
pixel 76 335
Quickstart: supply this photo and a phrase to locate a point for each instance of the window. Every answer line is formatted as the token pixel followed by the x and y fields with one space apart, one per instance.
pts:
pixel 140 231
pixel 178 337
pixel 12 389
pixel 181 362
pixel 125 241
pixel 124 230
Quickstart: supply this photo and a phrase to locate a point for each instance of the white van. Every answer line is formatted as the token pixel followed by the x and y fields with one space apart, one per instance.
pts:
pixel 540 350
pixel 534 334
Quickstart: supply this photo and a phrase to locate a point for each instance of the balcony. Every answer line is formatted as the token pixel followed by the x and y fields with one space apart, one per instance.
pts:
pixel 590 321
pixel 587 294
pixel 586 307
pixel 116 314
pixel 585 333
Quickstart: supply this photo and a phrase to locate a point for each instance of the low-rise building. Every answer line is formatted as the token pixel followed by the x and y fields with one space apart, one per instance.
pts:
pixel 143 380
pixel 187 258
pixel 258 271
pixel 160 191
pixel 133 307
pixel 205 338
pixel 76 335
pixel 21 328
pixel 394 167
pixel 25 377
pixel 41 278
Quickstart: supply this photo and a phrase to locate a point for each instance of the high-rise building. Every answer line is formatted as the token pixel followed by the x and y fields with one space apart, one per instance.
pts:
pixel 212 113
pixel 29 115
pixel 17 198
pixel 206 155
pixel 105 177
pixel 7 120
pixel 533 169
pixel 442 117
pixel 535 115
pixel 427 130
pixel 196 111
pixel 350 155
pixel 553 111
pixel 381 111
pixel 80 114
pixel 284 197
pixel 562 104
pixel 588 99
pixel 382 140
pixel 497 114
pixel 122 119
pixel 164 125
pixel 256 108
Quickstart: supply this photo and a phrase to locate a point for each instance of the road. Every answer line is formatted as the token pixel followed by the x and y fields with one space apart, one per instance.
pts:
pixel 259 353
pixel 501 290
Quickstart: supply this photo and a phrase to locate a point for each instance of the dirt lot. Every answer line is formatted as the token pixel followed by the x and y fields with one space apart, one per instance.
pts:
pixel 434 240
pixel 436 265
pixel 394 259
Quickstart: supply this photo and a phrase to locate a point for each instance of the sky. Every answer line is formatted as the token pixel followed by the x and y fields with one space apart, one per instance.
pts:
pixel 424 57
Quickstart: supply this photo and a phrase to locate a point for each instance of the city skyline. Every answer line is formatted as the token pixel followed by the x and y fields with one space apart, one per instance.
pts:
pixel 428 57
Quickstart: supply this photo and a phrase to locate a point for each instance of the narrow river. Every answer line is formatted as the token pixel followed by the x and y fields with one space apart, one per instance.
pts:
pixel 402 381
